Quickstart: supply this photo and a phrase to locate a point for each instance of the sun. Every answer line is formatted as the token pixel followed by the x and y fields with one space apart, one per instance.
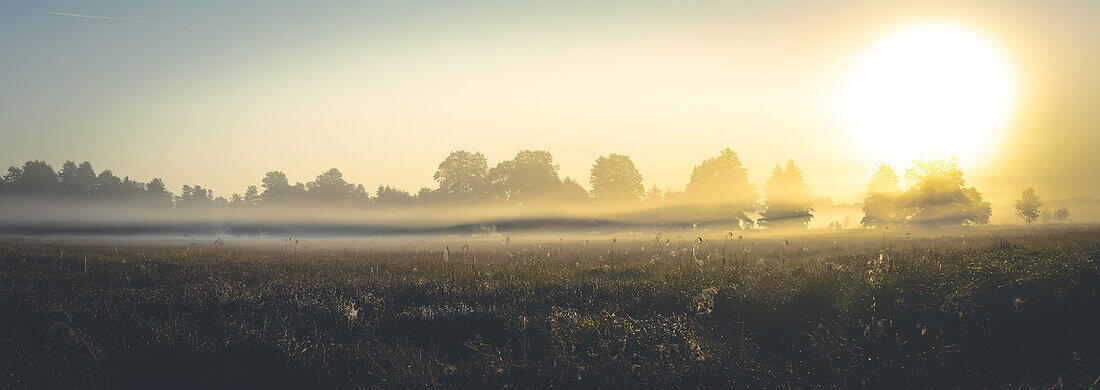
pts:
pixel 932 90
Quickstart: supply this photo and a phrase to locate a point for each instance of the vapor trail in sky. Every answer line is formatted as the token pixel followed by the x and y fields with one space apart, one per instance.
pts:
pixel 183 26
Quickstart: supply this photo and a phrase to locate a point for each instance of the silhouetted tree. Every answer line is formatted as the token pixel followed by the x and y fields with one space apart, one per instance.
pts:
pixel 789 204
pixel 77 181
pixel 274 182
pixel 7 182
pixel 427 196
pixel 881 204
pixel 195 196
pixel 1027 208
pixel 130 189
pixel 572 191
pixel 297 191
pixel 531 176
pixel 720 185
pixel 463 178
pixel 1061 214
pixel 107 185
pixel 360 194
pixel 614 178
pixel 251 196
pixel 34 178
pixel 387 196
pixel 277 188
pixel 157 193
pixel 938 196
pixel 330 186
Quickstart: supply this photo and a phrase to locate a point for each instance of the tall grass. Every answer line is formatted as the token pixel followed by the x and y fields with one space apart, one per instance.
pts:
pixel 972 309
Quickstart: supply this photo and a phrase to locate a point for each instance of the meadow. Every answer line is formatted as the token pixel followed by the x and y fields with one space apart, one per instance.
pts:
pixel 970 308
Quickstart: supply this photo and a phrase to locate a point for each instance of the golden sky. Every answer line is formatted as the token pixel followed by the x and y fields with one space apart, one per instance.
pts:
pixel 218 94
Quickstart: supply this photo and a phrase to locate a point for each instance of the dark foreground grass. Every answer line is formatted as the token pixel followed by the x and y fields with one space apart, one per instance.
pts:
pixel 1012 309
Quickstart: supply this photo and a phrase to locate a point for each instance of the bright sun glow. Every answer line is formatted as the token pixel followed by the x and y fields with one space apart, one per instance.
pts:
pixel 930 90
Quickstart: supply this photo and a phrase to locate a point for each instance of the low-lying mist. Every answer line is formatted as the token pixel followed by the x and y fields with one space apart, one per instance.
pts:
pixel 35 216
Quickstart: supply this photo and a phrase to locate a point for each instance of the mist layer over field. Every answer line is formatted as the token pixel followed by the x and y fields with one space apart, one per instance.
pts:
pixel 38 216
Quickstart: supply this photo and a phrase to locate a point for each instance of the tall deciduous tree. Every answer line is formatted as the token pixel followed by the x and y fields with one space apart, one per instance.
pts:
pixel 330 186
pixel 614 178
pixel 572 191
pixel 463 178
pixel 156 192
pixel 387 196
pixel 881 205
pixel 277 189
pixel 195 196
pixel 939 197
pixel 1061 214
pixel 1027 208
pixel 531 176
pixel 721 185
pixel 789 204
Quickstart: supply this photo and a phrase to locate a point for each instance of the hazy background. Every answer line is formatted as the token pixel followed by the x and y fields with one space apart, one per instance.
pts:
pixel 384 90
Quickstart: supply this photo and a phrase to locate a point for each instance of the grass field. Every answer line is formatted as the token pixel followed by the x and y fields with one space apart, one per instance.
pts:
pixel 970 308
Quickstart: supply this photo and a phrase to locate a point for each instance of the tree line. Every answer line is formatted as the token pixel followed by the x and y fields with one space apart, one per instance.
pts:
pixel 719 186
